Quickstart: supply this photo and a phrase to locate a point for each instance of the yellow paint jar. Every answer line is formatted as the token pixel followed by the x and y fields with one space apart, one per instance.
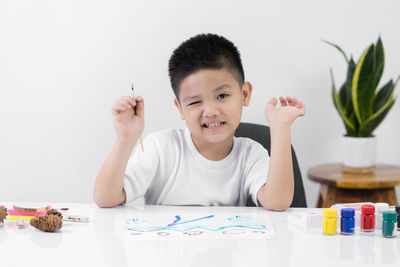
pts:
pixel 329 222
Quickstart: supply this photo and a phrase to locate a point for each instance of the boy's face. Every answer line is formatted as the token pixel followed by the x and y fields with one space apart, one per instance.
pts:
pixel 211 103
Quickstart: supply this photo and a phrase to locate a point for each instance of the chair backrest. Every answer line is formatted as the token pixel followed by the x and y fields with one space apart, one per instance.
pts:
pixel 262 135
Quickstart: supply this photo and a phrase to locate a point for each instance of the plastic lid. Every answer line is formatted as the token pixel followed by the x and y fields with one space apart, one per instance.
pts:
pixel 368 209
pixel 347 212
pixel 381 207
pixel 390 215
pixel 330 212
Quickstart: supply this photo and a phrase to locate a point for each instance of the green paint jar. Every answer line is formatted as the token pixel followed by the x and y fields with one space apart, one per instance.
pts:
pixel 388 224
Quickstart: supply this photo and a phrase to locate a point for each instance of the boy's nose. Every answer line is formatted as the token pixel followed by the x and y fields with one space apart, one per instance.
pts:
pixel 210 110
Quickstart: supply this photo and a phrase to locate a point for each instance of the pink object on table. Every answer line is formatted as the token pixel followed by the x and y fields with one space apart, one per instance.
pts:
pixel 15 212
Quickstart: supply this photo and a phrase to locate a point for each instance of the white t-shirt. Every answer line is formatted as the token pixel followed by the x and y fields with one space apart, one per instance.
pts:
pixel 171 171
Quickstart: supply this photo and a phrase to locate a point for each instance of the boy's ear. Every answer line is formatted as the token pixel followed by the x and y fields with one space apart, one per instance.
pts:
pixel 246 93
pixel 178 105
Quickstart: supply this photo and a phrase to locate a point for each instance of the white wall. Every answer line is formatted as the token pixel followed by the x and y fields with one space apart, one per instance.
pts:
pixel 64 63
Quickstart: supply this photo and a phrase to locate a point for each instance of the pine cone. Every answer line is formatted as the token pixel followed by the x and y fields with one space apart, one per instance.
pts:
pixel 47 223
pixel 54 212
pixel 3 213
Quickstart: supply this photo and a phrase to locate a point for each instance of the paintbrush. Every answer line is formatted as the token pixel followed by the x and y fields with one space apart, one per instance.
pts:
pixel 141 140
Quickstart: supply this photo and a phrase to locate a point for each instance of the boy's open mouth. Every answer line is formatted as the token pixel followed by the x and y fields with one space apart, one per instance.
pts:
pixel 213 125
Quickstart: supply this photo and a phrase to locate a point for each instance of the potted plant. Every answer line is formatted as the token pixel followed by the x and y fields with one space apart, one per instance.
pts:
pixel 362 106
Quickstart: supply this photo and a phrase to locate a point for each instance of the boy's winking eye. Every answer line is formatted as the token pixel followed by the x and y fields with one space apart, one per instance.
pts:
pixel 193 103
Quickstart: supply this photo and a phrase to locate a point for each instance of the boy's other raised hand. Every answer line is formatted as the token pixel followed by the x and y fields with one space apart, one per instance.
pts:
pixel 128 123
pixel 289 110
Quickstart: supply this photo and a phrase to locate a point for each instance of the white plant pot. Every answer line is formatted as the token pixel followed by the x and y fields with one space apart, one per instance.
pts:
pixel 358 152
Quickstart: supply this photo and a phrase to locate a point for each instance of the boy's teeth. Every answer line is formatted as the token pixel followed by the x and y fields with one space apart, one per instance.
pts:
pixel 212 125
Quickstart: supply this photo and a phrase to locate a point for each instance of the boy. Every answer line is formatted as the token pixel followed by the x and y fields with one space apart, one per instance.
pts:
pixel 203 164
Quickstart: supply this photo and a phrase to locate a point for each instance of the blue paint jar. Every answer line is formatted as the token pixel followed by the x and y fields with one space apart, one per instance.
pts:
pixel 347 221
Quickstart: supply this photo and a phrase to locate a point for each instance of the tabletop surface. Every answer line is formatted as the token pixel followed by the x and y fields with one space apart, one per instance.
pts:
pixel 384 176
pixel 97 243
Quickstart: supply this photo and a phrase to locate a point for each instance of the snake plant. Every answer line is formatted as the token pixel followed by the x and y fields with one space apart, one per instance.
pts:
pixel 360 105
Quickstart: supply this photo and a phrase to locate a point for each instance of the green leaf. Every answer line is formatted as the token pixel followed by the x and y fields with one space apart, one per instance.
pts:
pixel 343 95
pixel 354 120
pixel 348 105
pixel 350 129
pixel 338 48
pixel 370 125
pixel 379 64
pixel 361 85
pixel 382 96
pixel 333 91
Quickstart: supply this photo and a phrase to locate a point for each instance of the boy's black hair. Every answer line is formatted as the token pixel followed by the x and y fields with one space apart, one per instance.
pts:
pixel 204 51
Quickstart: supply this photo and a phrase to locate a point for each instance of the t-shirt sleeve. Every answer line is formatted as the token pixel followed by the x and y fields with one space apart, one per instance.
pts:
pixel 142 167
pixel 257 170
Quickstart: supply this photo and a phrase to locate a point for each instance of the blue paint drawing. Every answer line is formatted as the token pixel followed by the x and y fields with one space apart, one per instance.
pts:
pixel 135 221
pixel 184 229
pixel 178 218
pixel 239 218
pixel 194 220
pixel 132 221
pixel 189 223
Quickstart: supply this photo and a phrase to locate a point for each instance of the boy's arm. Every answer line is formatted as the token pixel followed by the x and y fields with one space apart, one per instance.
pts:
pixel 277 192
pixel 109 187
pixel 128 123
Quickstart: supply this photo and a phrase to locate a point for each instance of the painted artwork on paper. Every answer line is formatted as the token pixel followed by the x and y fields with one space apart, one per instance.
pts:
pixel 198 226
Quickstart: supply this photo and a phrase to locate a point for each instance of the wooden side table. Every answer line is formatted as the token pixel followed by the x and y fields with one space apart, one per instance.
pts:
pixel 342 187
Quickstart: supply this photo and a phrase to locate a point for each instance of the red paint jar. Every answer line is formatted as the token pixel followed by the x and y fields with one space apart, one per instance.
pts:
pixel 367 218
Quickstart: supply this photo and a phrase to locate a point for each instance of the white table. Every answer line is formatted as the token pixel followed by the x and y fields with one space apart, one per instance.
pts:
pixel 97 244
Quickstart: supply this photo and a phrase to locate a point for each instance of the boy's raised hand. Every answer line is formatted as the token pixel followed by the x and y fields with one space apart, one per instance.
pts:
pixel 289 110
pixel 128 123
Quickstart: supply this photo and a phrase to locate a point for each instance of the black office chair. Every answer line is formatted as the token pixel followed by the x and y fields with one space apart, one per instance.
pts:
pixel 262 135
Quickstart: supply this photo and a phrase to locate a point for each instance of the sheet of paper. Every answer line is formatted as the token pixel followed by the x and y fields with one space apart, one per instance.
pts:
pixel 192 225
